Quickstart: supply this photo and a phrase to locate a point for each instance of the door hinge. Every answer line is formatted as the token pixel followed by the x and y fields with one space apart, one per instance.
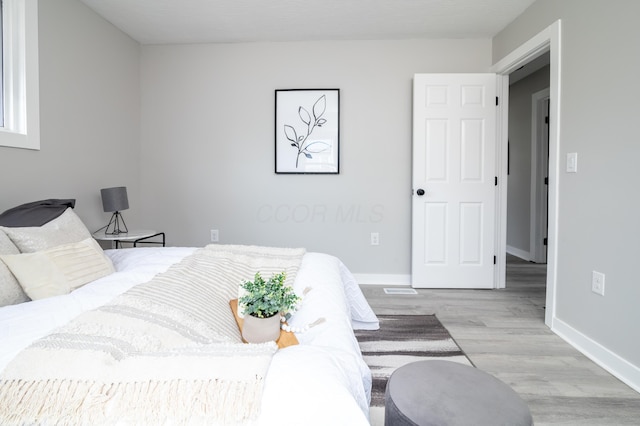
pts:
pixel 544 241
pixel 495 260
pixel 546 120
pixel 497 102
pixel 546 180
pixel 496 181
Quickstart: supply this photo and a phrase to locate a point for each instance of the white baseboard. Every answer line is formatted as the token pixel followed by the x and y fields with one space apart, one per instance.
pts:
pixel 614 364
pixel 519 253
pixel 383 279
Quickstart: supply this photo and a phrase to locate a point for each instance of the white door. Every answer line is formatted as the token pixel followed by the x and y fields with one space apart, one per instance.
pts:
pixel 454 137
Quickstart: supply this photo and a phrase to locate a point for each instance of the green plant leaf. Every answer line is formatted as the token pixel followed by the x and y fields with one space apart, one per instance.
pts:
pixel 264 299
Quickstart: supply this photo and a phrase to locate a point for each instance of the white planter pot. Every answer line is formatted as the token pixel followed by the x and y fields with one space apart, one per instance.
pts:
pixel 260 330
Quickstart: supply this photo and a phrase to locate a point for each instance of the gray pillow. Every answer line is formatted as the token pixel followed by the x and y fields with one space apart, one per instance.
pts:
pixel 36 213
pixel 11 292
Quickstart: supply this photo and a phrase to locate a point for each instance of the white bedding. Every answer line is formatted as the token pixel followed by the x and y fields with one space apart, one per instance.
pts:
pixel 319 382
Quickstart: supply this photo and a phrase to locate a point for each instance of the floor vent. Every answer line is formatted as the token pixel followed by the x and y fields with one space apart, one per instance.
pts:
pixel 396 291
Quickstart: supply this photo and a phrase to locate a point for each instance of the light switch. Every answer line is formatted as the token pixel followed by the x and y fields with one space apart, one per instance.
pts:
pixel 572 162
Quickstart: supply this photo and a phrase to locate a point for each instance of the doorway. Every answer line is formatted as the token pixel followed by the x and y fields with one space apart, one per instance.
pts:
pixel 527 180
pixel 528 161
pixel 547 40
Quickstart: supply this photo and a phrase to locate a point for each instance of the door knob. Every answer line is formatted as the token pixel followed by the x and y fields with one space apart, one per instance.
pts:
pixel 420 192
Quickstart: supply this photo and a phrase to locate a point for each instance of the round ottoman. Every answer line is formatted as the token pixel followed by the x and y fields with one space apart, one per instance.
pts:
pixel 448 393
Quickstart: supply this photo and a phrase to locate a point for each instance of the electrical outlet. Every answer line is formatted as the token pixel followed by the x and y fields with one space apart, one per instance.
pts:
pixel 375 239
pixel 572 162
pixel 215 237
pixel 597 283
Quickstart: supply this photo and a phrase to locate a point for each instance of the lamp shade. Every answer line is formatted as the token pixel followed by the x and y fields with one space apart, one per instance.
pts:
pixel 114 199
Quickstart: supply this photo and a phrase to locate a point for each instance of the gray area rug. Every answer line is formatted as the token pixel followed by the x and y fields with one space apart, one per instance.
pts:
pixel 400 340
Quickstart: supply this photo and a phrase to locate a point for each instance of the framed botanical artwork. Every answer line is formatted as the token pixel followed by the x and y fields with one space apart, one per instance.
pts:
pixel 307 131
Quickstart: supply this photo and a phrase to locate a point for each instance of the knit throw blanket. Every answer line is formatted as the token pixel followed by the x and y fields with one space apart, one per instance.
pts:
pixel 165 352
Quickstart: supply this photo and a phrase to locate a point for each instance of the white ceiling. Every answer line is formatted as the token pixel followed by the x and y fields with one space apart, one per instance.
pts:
pixel 229 21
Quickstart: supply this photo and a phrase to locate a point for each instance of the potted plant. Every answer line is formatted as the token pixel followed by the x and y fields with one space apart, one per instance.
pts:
pixel 261 303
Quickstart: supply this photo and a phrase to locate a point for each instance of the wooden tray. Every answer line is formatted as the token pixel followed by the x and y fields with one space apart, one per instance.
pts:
pixel 286 338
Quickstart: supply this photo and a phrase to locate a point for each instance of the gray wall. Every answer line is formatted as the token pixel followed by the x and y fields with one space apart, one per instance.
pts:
pixel 208 144
pixel 519 188
pixel 598 206
pixel 89 115
pixel 190 133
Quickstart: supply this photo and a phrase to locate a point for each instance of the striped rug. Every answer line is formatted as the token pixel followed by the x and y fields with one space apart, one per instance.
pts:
pixel 400 340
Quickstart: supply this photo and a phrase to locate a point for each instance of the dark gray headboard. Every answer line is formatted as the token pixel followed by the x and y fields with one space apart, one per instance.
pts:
pixel 36 213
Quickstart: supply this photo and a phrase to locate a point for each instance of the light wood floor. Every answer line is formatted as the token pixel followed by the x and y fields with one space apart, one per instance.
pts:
pixel 503 333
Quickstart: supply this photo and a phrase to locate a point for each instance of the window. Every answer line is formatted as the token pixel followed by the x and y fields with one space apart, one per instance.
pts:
pixel 1 67
pixel 20 126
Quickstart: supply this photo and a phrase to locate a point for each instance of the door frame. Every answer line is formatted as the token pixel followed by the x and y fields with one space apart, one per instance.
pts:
pixel 548 40
pixel 539 170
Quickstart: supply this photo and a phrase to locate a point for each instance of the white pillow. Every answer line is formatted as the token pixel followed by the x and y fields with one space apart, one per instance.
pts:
pixel 66 228
pixel 59 270
pixel 6 245
pixel 10 290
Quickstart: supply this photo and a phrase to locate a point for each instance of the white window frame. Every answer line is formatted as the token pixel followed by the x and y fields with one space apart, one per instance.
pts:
pixel 20 75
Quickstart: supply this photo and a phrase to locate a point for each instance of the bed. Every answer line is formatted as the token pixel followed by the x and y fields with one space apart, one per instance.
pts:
pixel 322 380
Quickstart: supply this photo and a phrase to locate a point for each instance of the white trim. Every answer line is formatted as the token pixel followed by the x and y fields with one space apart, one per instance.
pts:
pixel 528 51
pixel 522 254
pixel 614 364
pixel 21 75
pixel 502 149
pixel 383 279
pixel 538 210
pixel 547 40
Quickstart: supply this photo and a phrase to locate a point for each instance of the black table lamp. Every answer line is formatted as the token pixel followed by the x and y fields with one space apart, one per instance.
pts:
pixel 114 200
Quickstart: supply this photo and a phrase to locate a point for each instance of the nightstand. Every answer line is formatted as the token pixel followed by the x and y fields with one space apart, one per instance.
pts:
pixel 134 237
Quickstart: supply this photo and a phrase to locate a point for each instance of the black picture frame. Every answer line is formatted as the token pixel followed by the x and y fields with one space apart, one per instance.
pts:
pixel 307 131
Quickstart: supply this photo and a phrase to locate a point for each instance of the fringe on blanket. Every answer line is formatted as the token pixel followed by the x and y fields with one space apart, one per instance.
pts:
pixel 72 402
